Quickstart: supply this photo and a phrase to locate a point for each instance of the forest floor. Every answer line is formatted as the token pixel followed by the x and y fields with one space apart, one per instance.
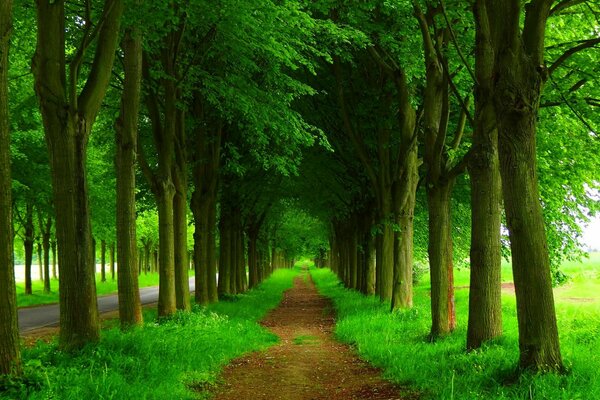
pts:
pixel 308 363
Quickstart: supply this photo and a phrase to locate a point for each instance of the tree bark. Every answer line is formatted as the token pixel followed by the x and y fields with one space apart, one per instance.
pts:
pixel 485 305
pixel 103 260
pixel 112 261
pixel 47 232
pixel 28 242
pixel 126 129
pixel 225 251
pixel 443 316
pixel 10 358
pixel 54 266
pixel 180 183
pixel 166 239
pixel 40 259
pixel 68 119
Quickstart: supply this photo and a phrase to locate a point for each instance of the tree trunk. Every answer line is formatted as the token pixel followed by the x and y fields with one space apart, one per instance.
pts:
pixel 103 260
pixel 538 333
pixel 200 259
pixel 28 243
pixel 180 181
pixel 54 266
pixel 46 253
pixel 130 309
pixel 225 269
pixel 166 264
pixel 40 257
pixel 405 200
pixel 485 305
pixel 440 261
pixel 387 261
pixel 112 261
pixel 182 286
pixel 10 358
pixel 253 260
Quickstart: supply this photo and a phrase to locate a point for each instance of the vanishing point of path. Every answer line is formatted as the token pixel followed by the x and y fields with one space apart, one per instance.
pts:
pixel 308 363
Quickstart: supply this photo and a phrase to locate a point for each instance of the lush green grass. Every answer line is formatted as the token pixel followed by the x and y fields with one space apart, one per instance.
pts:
pixel 443 370
pixel 174 359
pixel 38 297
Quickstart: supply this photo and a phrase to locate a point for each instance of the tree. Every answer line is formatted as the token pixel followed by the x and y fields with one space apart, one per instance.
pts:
pixel 485 306
pixel 10 358
pixel 126 126
pixel 519 76
pixel 68 116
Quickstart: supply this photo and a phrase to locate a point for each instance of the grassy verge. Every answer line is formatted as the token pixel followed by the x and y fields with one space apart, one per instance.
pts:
pixel 442 370
pixel 174 359
pixel 38 297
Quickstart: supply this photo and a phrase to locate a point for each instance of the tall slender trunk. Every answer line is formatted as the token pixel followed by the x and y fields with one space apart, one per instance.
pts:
pixel 46 253
pixel 387 261
pixel 40 259
pixel 485 305
pixel 405 200
pixel 54 266
pixel 225 269
pixel 182 287
pixel 253 259
pixel 112 261
pixel 126 128
pixel 28 243
pixel 180 181
pixel 201 276
pixel 103 260
pixel 213 295
pixel 166 297
pixel 10 358
pixel 440 260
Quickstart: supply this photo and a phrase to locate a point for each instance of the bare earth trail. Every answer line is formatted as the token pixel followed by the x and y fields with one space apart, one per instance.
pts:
pixel 308 363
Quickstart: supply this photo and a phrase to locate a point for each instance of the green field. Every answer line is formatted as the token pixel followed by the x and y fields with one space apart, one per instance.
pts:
pixel 178 358
pixel 443 370
pixel 102 288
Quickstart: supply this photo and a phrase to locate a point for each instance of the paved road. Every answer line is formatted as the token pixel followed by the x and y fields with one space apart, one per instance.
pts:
pixel 38 317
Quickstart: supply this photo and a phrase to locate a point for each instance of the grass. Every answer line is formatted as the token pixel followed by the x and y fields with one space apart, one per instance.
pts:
pixel 38 297
pixel 175 359
pixel 443 370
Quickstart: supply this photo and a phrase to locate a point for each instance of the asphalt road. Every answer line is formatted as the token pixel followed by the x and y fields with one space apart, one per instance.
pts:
pixel 42 316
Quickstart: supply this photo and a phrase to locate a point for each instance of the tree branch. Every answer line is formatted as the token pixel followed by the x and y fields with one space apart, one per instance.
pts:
pixel 567 54
pixel 564 5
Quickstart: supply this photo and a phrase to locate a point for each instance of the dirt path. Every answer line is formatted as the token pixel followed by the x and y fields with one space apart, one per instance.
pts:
pixel 308 363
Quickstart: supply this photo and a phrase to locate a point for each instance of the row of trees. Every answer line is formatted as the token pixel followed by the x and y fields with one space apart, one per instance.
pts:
pixel 199 111
pixel 281 129
pixel 470 104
